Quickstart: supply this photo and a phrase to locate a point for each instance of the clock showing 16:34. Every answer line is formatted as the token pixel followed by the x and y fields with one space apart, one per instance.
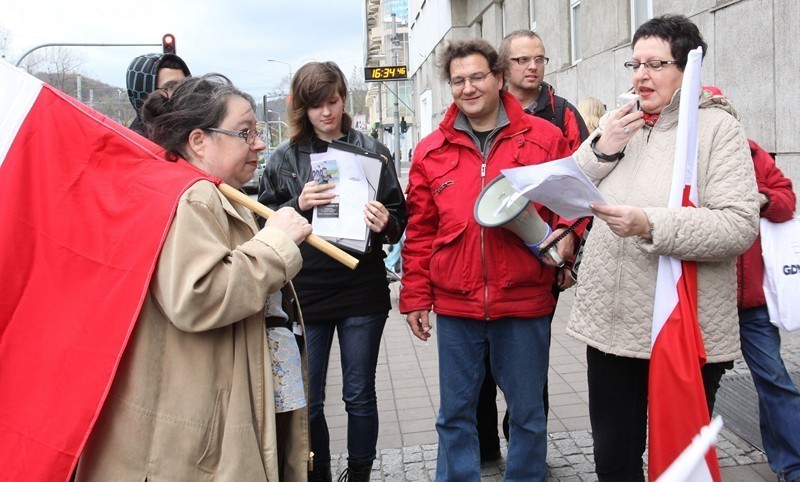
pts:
pixel 386 72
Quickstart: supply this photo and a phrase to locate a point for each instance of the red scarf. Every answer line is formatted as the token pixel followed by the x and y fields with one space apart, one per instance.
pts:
pixel 650 119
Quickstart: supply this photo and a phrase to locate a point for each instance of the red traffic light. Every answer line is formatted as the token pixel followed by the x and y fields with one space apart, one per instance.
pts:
pixel 168 43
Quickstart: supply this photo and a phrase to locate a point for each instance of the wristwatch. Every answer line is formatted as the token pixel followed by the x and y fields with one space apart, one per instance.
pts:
pixel 606 157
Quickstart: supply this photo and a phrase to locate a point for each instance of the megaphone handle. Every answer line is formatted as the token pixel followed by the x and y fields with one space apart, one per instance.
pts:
pixel 561 236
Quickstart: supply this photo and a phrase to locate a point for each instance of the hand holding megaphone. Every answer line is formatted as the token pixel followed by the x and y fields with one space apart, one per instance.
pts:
pixel 500 205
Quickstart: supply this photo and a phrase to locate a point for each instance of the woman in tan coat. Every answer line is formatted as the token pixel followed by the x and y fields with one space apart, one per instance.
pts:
pixel 194 397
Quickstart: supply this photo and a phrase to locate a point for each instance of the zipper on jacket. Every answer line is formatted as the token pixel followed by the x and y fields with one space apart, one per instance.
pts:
pixel 616 310
pixel 289 173
pixel 483 253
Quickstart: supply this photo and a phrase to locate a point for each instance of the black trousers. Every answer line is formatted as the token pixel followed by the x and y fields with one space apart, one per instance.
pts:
pixel 618 411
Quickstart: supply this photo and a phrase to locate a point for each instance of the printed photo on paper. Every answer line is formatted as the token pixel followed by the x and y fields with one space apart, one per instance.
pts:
pixel 325 172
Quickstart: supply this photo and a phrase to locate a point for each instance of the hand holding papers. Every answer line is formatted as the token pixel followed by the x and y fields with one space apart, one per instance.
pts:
pixel 560 185
pixel 356 174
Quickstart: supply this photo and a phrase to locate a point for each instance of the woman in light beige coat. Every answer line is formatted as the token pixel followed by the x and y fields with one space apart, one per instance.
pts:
pixel 194 398
pixel 613 309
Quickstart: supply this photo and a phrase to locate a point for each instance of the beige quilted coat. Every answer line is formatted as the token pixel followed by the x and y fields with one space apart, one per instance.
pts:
pixel 613 308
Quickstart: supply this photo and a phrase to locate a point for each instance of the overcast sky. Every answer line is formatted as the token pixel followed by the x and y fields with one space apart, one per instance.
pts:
pixel 233 37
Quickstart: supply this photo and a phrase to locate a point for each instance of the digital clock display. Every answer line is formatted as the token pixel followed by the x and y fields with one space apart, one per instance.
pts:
pixel 388 72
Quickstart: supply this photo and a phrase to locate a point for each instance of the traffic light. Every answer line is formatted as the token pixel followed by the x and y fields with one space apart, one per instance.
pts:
pixel 403 125
pixel 168 43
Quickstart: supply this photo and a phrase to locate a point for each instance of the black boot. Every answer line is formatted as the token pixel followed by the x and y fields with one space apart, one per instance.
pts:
pixel 356 472
pixel 321 473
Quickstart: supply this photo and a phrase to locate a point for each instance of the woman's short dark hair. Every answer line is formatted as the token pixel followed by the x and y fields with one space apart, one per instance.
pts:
pixel 195 103
pixel 678 31
pixel 464 48
pixel 313 84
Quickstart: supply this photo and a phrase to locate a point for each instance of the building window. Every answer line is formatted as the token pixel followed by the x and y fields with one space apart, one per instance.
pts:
pixel 641 12
pixel 503 20
pixel 533 15
pixel 575 31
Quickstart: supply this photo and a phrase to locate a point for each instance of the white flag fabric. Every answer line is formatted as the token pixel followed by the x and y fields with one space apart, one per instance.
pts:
pixel 676 399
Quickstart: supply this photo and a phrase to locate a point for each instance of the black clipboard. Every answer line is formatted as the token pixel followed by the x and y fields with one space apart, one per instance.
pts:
pixel 373 166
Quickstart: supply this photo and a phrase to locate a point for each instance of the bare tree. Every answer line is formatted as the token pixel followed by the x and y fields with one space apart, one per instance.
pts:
pixel 5 42
pixel 282 88
pixel 356 80
pixel 358 91
pixel 62 63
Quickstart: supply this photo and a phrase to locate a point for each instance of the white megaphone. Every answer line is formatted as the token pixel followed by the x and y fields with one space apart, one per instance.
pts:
pixel 500 205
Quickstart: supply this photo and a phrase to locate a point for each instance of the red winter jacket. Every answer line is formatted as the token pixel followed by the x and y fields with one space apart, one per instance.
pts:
pixel 453 265
pixel 558 111
pixel 750 265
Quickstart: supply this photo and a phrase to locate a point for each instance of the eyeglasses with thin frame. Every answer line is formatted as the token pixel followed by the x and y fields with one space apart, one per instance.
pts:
pixel 525 61
pixel 651 65
pixel 249 135
pixel 476 79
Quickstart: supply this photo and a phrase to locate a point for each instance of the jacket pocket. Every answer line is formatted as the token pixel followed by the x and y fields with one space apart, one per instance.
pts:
pixel 209 461
pixel 447 268
pixel 516 265
pixel 441 162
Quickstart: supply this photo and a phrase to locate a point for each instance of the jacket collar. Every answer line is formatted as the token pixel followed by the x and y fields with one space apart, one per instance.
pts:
pixel 510 116
pixel 546 99
pixel 231 211
pixel 351 138
pixel 669 115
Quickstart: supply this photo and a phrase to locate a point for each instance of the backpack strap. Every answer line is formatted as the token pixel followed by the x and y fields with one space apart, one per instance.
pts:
pixel 559 106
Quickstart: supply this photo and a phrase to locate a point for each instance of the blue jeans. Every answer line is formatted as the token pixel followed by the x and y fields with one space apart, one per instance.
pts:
pixel 778 397
pixel 359 343
pixel 519 350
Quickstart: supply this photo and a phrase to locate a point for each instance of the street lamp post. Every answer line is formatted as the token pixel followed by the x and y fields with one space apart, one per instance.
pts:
pixel 119 106
pixel 280 124
pixel 285 63
pixel 19 61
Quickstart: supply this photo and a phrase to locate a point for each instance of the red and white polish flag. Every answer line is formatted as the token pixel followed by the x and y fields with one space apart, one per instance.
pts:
pixel 677 403
pixel 85 206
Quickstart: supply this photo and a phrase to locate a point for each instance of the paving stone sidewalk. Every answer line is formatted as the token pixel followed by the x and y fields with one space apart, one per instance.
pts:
pixel 569 459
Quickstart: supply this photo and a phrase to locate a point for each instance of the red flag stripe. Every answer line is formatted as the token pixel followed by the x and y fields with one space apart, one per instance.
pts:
pixel 86 207
pixel 677 399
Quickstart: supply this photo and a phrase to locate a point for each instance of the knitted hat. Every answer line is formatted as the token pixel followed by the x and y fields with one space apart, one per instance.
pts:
pixel 142 74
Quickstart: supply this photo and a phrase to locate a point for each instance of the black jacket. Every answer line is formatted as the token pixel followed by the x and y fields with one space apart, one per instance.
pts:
pixel 328 290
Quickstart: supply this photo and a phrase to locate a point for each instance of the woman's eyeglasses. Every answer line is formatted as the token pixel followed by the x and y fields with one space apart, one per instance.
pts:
pixel 249 135
pixel 652 65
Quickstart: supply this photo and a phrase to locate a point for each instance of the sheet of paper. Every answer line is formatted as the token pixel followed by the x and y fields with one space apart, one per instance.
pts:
pixel 352 194
pixel 559 185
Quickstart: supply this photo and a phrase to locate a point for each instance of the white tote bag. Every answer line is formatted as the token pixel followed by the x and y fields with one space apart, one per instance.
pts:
pixel 780 248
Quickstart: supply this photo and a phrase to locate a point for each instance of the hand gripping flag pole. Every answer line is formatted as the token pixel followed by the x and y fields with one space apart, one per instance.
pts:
pixel 317 242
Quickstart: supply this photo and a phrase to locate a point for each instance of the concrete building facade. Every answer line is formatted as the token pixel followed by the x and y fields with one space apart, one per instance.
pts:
pixel 383 48
pixel 753 55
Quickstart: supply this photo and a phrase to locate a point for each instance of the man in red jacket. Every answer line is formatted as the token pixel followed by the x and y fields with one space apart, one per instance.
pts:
pixel 524 53
pixel 778 397
pixel 490 293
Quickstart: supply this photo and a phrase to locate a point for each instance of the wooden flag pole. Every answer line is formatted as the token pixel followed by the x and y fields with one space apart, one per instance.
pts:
pixel 265 212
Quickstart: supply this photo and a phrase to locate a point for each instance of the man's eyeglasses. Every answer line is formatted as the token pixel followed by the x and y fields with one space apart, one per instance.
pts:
pixel 525 61
pixel 653 65
pixel 249 135
pixel 474 79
